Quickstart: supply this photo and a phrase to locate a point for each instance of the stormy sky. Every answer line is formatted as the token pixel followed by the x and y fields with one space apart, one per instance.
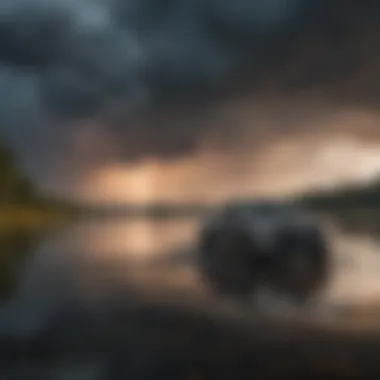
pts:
pixel 91 84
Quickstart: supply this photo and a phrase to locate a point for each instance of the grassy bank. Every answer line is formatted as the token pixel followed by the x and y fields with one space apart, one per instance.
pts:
pixel 19 217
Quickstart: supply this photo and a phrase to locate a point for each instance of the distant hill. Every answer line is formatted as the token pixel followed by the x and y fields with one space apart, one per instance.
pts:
pixel 348 197
pixel 355 208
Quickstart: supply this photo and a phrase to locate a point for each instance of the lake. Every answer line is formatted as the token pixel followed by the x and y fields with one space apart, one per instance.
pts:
pixel 124 248
pixel 39 271
pixel 85 262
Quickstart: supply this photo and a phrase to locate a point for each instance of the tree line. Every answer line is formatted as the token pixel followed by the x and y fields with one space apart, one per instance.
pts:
pixel 15 186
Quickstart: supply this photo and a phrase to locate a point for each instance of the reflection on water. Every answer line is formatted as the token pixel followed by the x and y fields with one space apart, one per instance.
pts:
pixel 61 272
pixel 136 238
pixel 356 276
pixel 85 256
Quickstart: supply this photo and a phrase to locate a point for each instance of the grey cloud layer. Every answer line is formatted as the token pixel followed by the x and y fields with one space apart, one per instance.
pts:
pixel 63 60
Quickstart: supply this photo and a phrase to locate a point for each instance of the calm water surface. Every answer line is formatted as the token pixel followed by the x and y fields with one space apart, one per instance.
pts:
pixel 85 256
pixel 139 238
pixel 42 273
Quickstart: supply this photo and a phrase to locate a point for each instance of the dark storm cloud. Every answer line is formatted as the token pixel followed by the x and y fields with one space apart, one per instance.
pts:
pixel 87 53
pixel 64 60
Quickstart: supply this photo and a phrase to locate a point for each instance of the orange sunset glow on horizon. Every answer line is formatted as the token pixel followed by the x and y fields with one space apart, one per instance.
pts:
pixel 288 166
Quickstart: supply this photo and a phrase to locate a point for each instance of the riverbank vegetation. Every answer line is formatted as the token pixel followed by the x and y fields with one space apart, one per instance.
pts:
pixel 22 205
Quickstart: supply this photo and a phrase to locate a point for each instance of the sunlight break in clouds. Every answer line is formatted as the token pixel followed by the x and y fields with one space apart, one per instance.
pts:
pixel 289 166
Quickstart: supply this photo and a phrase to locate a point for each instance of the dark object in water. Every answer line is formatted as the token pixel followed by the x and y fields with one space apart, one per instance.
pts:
pixel 273 244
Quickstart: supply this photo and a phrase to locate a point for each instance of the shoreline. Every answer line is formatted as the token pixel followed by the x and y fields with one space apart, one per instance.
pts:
pixel 29 217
